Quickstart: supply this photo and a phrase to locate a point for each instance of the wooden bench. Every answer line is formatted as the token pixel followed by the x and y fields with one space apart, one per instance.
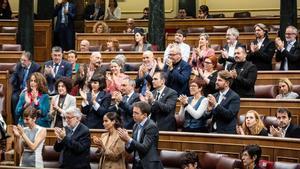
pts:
pixel 8 38
pixel 10 56
pixel 42 37
pixel 172 24
pixel 272 77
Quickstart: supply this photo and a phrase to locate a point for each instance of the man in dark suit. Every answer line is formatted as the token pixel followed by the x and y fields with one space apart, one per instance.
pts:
pixel 95 11
pixel 19 78
pixel 227 56
pixel 144 140
pixel 124 101
pixel 64 28
pixel 288 52
pixel 262 49
pixel 224 105
pixel 244 74
pixel 73 142
pixel 285 128
pixel 163 100
pixel 56 68
pixel 177 71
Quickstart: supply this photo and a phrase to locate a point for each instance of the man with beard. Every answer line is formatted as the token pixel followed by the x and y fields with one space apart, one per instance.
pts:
pixel 227 58
pixel 124 101
pixel 224 105
pixel 179 37
pixel 288 52
pixel 285 128
pixel 19 78
pixel 244 74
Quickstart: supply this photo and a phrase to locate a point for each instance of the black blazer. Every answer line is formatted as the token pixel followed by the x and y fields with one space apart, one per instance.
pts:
pixel 124 109
pixel 210 88
pixel 229 59
pixel 163 110
pixel 293 131
pixel 147 146
pixel 293 57
pixel 75 148
pixel 263 57
pixel 18 75
pixel 94 118
pixel 90 10
pixel 71 15
pixel 225 114
pixel 245 80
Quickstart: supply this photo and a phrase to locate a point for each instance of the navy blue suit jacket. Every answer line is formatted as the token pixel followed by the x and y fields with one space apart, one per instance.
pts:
pixel 293 57
pixel 18 75
pixel 65 69
pixel 76 148
pixel 71 15
pixel 178 77
pixel 94 118
pixel 225 114
pixel 293 131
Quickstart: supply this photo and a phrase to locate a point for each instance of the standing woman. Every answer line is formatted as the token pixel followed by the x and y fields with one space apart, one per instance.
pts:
pixel 113 12
pixel 33 138
pixel 5 10
pixel 95 103
pixel 61 102
pixel 252 125
pixel 110 145
pixel 262 49
pixel 37 96
pixel 201 52
pixel 140 41
pixel 194 108
pixel 115 79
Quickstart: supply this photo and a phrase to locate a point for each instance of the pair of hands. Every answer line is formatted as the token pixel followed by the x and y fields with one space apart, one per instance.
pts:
pixel 211 102
pixel 34 97
pixel 279 43
pixel 60 133
pixel 18 130
pixel 117 96
pixel 148 97
pixel 183 99
pixel 169 62
pixel 83 94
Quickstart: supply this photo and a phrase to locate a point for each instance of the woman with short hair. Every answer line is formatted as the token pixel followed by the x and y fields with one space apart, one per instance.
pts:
pixel 250 156
pixel 286 90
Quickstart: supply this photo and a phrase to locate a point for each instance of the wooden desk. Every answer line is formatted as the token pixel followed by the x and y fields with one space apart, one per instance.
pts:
pixel 272 77
pixel 10 56
pixel 42 37
pixel 173 24
pixel 8 38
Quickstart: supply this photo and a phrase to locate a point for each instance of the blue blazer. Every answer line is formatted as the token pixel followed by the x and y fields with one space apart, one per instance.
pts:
pixel 18 75
pixel 71 15
pixel 94 118
pixel 147 146
pixel 178 78
pixel 65 69
pixel 44 107
pixel 75 148
pixel 225 114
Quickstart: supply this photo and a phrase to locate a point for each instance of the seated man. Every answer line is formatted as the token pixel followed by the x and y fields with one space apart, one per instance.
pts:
pixel 224 105
pixel 288 51
pixel 84 46
pixel 244 74
pixel 56 68
pixel 145 13
pixel 285 128
pixel 129 26
pixel 182 14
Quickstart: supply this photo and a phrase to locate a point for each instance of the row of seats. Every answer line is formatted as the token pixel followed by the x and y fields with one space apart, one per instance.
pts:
pixel 271 91
pixel 172 160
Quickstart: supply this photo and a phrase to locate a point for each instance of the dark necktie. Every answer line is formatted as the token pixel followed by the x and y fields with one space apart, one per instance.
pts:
pixel 157 96
pixel 125 98
pixel 56 68
pixel 25 75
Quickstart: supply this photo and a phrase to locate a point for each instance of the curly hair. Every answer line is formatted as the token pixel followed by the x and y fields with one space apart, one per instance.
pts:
pixel 41 82
pixel 258 126
pixel 104 25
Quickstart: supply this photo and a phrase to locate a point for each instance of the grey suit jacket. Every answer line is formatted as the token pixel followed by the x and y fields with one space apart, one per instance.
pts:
pixel 147 146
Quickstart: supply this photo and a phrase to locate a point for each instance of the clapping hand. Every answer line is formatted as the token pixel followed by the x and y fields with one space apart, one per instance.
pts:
pixel 279 43
pixel 253 47
pixel 96 140
pixel 183 99
pixel 60 133
pixel 123 134
pixel 276 132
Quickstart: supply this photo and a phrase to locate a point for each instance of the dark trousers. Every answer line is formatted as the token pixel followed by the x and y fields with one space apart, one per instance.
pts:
pixel 66 37
pixel 137 165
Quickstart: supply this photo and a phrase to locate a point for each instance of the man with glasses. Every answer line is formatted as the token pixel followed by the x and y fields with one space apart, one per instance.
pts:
pixel 244 74
pixel 177 70
pixel 19 78
pixel 73 142
pixel 288 51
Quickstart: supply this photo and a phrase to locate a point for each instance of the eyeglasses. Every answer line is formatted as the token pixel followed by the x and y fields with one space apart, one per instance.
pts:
pixel 207 62
pixel 68 117
pixel 172 54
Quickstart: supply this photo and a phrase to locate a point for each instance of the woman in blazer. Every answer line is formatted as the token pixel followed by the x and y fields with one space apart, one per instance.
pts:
pixel 61 102
pixel 110 146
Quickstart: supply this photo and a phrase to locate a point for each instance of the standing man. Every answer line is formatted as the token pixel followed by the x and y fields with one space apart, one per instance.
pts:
pixel 124 101
pixel 19 78
pixel 224 105
pixel 163 100
pixel 144 140
pixel 177 71
pixel 288 51
pixel 285 128
pixel 244 74
pixel 64 28
pixel 56 68
pixel 73 142
pixel 179 39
